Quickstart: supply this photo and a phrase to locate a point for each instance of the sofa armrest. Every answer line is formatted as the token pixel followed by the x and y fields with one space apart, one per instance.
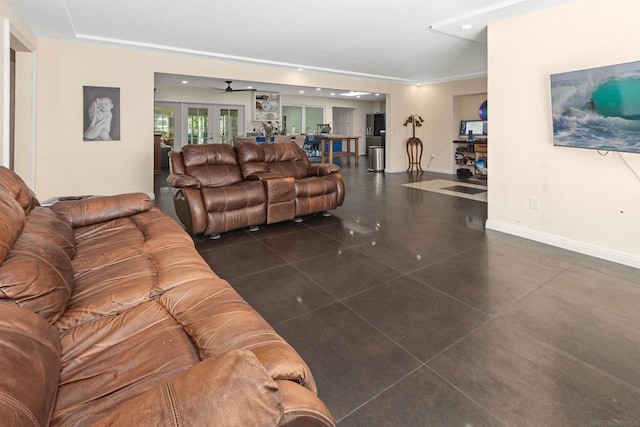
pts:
pixel 102 208
pixel 263 176
pixel 320 169
pixel 30 366
pixel 302 407
pixel 178 180
pixel 231 390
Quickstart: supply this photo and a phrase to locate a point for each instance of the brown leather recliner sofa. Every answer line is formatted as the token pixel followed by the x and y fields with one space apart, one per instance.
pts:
pixel 109 316
pixel 219 188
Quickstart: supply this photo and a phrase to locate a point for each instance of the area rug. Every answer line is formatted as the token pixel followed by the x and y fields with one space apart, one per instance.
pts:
pixel 466 190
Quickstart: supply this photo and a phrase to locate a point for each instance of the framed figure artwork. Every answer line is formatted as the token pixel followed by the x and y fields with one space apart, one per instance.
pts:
pixel 101 107
pixel 266 106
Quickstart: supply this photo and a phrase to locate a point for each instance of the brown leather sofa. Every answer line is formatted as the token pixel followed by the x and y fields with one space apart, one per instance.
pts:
pixel 109 316
pixel 218 188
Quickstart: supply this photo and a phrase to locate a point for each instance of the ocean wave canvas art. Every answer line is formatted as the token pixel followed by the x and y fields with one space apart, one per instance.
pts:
pixel 598 108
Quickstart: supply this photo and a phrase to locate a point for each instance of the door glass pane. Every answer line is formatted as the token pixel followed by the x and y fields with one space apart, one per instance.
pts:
pixel 313 116
pixel 164 123
pixel 228 124
pixel 292 117
pixel 197 125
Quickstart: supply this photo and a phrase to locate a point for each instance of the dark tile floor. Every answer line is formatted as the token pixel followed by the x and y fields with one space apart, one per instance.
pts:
pixel 410 313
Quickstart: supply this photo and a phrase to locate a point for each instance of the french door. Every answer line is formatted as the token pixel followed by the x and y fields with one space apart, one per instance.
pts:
pixel 208 123
pixel 228 122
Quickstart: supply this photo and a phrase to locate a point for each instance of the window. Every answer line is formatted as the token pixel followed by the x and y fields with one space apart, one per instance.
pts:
pixel 305 119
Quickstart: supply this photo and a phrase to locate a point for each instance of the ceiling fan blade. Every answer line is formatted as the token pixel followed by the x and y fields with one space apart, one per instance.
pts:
pixel 229 89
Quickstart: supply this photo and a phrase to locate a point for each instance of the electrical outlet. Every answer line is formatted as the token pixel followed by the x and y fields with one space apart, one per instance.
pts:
pixel 534 202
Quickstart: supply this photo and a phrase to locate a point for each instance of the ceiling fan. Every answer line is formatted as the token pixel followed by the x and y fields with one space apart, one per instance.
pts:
pixel 230 89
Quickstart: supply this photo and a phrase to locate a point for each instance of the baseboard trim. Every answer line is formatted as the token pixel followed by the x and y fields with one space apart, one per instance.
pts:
pixel 561 242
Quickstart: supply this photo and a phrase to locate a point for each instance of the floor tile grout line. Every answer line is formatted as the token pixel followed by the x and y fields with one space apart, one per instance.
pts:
pixel 298 316
pixel 378 394
pixel 569 355
pixel 471 332
pixel 479 405
pixel 381 332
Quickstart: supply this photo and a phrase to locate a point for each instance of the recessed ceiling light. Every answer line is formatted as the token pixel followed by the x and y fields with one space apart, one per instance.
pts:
pixel 300 69
pixel 184 82
pixel 377 94
pixel 333 94
pixel 352 93
pixel 249 87
pixel 301 91
pixel 466 27
pixel 318 88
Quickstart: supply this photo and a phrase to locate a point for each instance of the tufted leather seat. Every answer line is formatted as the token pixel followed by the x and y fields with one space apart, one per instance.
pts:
pixel 109 316
pixel 220 188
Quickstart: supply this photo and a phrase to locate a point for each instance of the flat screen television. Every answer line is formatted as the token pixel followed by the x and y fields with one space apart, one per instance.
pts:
pixel 597 108
pixel 478 127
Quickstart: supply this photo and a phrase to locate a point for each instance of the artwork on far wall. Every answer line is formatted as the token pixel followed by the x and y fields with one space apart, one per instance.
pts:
pixel 597 108
pixel 101 113
pixel 266 106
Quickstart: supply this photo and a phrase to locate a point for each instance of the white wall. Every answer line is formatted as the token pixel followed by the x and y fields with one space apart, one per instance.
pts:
pixel 65 164
pixel 588 202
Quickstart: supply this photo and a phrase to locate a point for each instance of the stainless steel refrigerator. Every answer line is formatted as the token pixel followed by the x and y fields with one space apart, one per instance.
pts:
pixel 375 131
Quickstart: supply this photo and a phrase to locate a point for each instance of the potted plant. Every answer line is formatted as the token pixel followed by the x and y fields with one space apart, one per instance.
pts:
pixel 416 121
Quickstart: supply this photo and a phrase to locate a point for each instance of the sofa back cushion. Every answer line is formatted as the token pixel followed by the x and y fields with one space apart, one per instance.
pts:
pixel 251 158
pixel 48 224
pixel 37 275
pixel 287 158
pixel 284 158
pixel 214 165
pixel 11 183
pixel 13 219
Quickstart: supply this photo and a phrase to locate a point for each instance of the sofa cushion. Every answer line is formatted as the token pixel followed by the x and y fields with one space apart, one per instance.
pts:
pixel 214 165
pixel 315 186
pixel 234 197
pixel 13 219
pixel 287 159
pixel 125 262
pixel 251 158
pixel 218 320
pixel 230 390
pixel 30 366
pixel 16 187
pixel 115 357
pixel 38 276
pixel 46 223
